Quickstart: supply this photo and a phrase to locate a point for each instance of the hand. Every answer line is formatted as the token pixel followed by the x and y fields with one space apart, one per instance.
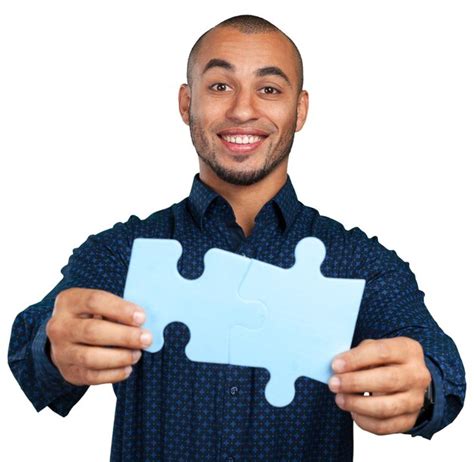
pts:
pixel 394 371
pixel 95 336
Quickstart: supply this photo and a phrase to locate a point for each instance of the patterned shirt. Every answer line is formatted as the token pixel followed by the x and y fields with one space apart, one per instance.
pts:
pixel 174 409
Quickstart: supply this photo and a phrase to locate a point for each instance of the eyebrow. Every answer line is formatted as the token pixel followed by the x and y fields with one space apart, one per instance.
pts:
pixel 262 72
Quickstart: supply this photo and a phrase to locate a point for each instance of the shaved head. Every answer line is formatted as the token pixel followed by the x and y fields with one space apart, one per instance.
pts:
pixel 246 24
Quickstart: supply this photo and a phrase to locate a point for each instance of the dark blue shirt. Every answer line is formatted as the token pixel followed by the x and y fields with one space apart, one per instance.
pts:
pixel 173 409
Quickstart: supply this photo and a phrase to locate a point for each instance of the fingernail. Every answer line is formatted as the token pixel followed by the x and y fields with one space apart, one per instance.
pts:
pixel 139 317
pixel 338 365
pixel 340 400
pixel 334 383
pixel 136 355
pixel 145 338
pixel 128 370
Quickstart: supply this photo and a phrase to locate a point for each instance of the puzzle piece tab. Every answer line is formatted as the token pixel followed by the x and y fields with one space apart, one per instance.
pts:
pixel 311 319
pixel 209 305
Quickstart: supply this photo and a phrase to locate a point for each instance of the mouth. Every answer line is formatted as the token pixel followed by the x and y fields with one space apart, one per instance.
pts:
pixel 239 142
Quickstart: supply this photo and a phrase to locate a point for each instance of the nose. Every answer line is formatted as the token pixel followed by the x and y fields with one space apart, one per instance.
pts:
pixel 243 106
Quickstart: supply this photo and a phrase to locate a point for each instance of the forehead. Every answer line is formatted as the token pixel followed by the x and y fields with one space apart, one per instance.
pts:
pixel 248 52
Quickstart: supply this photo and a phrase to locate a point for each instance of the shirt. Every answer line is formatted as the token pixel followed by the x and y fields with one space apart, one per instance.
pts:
pixel 174 409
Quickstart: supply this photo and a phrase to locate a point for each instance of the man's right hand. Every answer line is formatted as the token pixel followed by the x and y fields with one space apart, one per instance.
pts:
pixel 95 336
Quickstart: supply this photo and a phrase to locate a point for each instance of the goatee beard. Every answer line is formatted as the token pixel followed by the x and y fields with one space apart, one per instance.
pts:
pixel 239 178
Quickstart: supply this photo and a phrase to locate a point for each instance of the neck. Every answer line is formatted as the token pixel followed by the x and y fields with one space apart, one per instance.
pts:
pixel 246 201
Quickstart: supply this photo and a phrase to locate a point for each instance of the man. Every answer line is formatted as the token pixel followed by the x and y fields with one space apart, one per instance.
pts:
pixel 244 102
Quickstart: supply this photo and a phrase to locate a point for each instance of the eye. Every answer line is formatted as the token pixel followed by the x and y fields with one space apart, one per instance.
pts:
pixel 219 86
pixel 270 91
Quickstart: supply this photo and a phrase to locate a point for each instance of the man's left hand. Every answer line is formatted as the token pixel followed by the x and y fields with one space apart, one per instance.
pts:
pixel 394 372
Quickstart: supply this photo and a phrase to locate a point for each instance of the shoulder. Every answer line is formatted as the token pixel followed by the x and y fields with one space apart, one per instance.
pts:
pixel 118 239
pixel 336 235
pixel 351 249
pixel 153 225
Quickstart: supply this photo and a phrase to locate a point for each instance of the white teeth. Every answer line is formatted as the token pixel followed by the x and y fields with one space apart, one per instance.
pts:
pixel 245 139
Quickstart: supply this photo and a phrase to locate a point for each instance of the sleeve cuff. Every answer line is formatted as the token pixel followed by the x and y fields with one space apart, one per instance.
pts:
pixel 47 373
pixel 429 427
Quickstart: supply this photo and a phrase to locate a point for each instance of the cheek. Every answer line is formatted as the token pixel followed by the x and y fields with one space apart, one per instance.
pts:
pixel 207 117
pixel 282 116
pixel 208 109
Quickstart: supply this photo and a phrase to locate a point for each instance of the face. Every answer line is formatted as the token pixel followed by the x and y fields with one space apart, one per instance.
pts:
pixel 244 107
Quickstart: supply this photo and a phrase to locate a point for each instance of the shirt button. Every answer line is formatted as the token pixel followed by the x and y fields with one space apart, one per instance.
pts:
pixel 230 459
pixel 234 390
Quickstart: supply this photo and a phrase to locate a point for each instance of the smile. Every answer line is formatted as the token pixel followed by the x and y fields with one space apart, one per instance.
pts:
pixel 245 139
pixel 240 143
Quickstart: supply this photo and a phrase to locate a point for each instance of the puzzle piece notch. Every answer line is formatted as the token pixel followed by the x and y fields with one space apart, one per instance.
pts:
pixel 209 305
pixel 311 319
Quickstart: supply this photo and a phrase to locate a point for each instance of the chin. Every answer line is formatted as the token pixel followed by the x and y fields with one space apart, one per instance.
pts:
pixel 239 177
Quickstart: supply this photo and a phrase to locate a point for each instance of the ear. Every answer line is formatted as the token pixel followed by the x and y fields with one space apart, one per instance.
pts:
pixel 302 110
pixel 184 99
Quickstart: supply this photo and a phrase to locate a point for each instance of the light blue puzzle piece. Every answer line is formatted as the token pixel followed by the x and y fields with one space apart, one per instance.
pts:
pixel 209 305
pixel 310 320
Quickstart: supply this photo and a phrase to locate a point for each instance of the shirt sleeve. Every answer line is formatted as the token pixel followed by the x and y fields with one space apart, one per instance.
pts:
pixel 101 262
pixel 393 306
pixel 427 428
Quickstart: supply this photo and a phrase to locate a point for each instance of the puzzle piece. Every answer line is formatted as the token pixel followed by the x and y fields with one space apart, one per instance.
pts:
pixel 249 313
pixel 310 320
pixel 209 305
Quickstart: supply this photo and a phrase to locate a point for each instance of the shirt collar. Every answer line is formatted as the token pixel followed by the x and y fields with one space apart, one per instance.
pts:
pixel 201 197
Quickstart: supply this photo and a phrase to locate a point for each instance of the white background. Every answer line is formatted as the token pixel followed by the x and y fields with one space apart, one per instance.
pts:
pixel 91 134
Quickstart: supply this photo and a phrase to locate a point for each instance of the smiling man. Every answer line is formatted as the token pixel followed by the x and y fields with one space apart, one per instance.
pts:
pixel 243 102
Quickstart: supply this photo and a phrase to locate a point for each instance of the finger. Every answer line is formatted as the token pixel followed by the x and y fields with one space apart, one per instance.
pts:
pixel 398 424
pixel 99 358
pixel 388 379
pixel 98 332
pixel 97 303
pixel 380 407
pixel 371 353
pixel 97 377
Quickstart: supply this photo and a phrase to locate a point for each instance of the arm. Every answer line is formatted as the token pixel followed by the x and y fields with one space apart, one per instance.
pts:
pixel 30 363
pixel 96 265
pixel 393 308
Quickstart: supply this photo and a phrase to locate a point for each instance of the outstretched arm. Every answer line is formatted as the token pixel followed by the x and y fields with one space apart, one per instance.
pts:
pixel 96 264
pixel 393 308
